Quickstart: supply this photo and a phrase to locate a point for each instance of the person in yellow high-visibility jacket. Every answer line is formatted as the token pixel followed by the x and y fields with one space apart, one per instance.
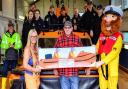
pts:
pixel 10 39
pixel 109 46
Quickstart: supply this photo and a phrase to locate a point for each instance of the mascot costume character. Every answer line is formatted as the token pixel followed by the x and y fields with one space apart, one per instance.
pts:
pixel 109 46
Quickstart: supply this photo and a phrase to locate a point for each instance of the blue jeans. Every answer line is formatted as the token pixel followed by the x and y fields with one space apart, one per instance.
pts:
pixel 8 65
pixel 69 82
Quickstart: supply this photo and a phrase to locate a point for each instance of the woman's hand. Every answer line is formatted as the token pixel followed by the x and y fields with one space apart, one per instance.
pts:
pixel 37 69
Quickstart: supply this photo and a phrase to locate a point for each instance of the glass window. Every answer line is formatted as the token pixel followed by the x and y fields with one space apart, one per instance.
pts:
pixel 121 3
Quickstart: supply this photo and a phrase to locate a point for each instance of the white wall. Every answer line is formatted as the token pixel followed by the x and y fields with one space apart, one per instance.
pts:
pixel 3 24
pixel 8 13
pixel 8 7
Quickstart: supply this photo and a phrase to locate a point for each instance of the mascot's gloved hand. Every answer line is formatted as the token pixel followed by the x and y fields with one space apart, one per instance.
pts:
pixel 97 64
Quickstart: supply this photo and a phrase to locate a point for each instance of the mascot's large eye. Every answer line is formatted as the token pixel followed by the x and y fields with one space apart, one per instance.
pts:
pixel 110 17
pixel 114 17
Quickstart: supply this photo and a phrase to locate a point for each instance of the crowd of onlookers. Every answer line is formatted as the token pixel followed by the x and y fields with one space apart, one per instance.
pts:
pixel 89 22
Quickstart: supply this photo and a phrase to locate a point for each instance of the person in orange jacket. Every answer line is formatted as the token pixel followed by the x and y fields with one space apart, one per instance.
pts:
pixel 109 46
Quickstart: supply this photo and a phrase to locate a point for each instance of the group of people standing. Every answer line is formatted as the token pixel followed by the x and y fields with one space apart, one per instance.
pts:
pixel 30 60
pixel 109 46
pixel 90 23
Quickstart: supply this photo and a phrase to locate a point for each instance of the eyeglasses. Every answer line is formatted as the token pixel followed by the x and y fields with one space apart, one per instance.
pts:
pixel 67 27
pixel 33 36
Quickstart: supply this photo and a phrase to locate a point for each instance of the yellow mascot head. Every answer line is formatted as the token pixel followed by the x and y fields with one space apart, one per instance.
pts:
pixel 111 20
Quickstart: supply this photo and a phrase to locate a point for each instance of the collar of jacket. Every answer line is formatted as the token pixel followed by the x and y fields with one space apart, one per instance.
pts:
pixel 8 33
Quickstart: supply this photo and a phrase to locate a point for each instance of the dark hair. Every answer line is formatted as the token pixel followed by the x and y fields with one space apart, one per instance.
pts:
pixel 10 23
pixel 32 4
pixel 51 6
pixel 63 8
pixel 99 7
pixel 30 11
pixel 37 10
pixel 89 2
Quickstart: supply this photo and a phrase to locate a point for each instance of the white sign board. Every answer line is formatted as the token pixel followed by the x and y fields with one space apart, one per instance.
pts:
pixel 48 53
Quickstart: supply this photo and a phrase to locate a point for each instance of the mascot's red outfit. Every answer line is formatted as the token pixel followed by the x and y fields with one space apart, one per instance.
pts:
pixel 109 46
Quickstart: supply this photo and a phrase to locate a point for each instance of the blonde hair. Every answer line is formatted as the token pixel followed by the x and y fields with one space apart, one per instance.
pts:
pixel 29 37
pixel 29 44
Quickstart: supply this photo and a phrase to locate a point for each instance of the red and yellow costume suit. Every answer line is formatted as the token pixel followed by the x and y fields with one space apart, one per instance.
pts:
pixel 109 49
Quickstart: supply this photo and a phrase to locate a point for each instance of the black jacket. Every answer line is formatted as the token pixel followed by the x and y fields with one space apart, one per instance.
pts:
pixel 27 25
pixel 62 19
pixel 88 21
pixel 76 21
pixel 97 29
pixel 39 25
pixel 51 21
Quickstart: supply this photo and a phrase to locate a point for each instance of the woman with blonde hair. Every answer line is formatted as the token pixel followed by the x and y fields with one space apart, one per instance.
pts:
pixel 30 61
